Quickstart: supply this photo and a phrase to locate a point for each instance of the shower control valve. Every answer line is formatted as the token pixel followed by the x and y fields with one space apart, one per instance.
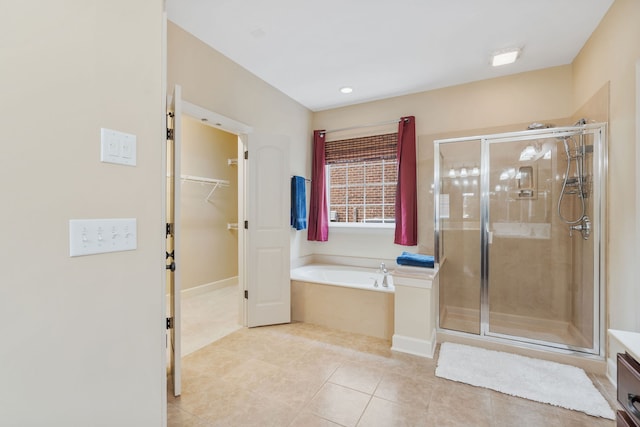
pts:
pixel 584 227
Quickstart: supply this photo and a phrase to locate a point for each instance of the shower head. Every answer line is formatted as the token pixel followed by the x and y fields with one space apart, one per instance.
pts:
pixel 541 151
pixel 536 150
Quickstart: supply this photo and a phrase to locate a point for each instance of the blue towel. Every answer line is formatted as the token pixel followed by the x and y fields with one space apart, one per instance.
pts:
pixel 298 203
pixel 415 260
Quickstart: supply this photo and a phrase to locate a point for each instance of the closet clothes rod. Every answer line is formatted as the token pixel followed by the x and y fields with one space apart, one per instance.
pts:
pixel 390 122
pixel 202 180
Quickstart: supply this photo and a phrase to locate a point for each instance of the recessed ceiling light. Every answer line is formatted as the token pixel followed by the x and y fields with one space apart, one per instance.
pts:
pixel 504 57
pixel 346 89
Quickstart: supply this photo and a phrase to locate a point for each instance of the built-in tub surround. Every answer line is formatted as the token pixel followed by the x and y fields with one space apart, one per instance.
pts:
pixel 416 307
pixel 343 298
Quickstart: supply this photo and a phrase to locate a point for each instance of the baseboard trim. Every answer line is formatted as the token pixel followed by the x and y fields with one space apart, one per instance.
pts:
pixel 414 346
pixel 612 371
pixel 208 287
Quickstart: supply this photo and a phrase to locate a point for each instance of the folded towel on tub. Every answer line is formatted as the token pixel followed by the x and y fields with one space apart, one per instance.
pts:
pixel 415 260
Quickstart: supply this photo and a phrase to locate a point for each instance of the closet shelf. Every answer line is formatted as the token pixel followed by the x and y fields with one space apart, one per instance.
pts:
pixel 202 180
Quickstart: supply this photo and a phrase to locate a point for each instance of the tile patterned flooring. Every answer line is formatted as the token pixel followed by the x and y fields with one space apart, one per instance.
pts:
pixel 208 316
pixel 301 375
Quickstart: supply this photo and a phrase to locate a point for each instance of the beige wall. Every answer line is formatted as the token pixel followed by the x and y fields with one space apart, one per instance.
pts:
pixel 82 337
pixel 209 251
pixel 212 81
pixel 501 104
pixel 610 56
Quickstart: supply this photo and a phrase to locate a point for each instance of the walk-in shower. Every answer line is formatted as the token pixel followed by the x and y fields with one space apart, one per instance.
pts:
pixel 519 236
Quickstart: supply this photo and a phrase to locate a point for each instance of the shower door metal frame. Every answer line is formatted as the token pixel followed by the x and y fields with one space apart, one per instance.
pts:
pixel 599 130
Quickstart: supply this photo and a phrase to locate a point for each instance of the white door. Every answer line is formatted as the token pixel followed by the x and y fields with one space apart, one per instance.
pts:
pixel 173 235
pixel 267 237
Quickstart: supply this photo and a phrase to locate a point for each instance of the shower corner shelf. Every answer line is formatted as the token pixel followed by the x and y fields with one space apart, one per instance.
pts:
pixel 210 181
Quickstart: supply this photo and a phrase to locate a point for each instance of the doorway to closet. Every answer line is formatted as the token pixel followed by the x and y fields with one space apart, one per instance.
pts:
pixel 263 199
pixel 209 234
pixel 211 257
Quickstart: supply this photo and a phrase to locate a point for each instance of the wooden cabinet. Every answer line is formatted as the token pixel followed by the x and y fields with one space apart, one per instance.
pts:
pixel 628 391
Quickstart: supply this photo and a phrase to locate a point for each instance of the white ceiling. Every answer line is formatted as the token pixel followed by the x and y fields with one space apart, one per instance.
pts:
pixel 383 48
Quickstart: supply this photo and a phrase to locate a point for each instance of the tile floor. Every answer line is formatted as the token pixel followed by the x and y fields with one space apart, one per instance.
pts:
pixel 301 375
pixel 208 316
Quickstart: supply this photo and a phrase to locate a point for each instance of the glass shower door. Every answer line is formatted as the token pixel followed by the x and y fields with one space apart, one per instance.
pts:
pixel 530 256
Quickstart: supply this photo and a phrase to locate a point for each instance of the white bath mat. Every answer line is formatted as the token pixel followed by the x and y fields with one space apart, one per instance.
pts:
pixel 534 379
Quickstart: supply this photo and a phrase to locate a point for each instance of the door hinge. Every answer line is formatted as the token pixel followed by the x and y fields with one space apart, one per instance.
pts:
pixel 246 155
pixel 246 294
pixel 169 322
pixel 246 225
pixel 169 229
pixel 169 134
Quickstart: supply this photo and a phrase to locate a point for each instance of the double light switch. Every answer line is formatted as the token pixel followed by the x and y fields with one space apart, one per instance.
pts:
pixel 117 147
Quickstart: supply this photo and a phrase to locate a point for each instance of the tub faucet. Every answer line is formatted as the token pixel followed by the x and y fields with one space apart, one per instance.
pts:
pixel 385 272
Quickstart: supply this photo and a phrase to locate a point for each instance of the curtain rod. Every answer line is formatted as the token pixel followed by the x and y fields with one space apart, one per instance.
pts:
pixel 364 126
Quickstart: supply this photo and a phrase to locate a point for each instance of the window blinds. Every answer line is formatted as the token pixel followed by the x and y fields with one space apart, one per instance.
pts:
pixel 368 148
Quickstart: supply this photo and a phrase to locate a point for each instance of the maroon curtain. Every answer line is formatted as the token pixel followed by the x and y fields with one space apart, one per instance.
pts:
pixel 318 210
pixel 406 192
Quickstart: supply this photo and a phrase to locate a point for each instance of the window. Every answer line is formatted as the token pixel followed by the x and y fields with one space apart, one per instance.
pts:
pixel 362 174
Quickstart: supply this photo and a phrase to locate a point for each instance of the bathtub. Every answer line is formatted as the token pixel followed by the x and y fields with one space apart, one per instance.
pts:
pixel 343 298
pixel 346 276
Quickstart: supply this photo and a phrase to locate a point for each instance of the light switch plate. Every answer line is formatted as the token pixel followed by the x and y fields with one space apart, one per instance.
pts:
pixel 95 236
pixel 117 147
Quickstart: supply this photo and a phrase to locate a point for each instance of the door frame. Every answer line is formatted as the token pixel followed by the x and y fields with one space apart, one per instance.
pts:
pixel 172 212
pixel 242 131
